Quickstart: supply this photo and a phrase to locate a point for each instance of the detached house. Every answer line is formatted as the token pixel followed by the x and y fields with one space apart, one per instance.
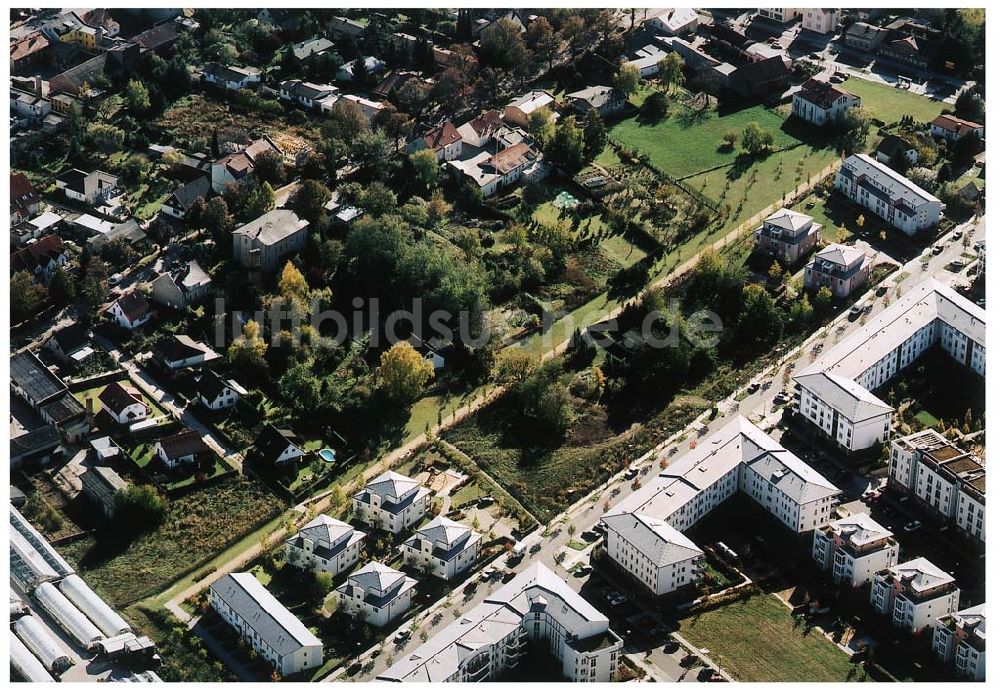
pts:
pixel 271 238
pixel 960 638
pixel 230 77
pixel 443 547
pixel 178 205
pixel 444 140
pixel 97 189
pixel 373 66
pixel 951 128
pixel 307 94
pixel 820 20
pixel 236 166
pixel 821 103
pixel 216 393
pixel 674 21
pixel 279 445
pixel 890 145
pixel 182 351
pixel 854 549
pixel 787 235
pixel 841 268
pixel 123 403
pixel 324 544
pixel 888 194
pixel 70 344
pixel 268 627
pixel 391 502
pixel 520 109
pixel 182 286
pixel 376 593
pixel 181 448
pixel 607 101
pixel 131 310
pixel 25 200
pixel 492 173
pixel 915 593
pixel 40 258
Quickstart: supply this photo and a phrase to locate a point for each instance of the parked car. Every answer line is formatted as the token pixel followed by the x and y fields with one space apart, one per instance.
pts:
pixel 753 388
pixel 115 279
pixel 957 234
pixel 402 635
pixel 954 266
pixel 616 598
pixel 913 526
pixel 583 571
pixel 937 248
pixel 782 397
pixel 856 310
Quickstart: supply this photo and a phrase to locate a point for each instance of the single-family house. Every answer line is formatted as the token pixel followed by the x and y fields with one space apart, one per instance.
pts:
pixel 820 20
pixel 780 14
pixel 890 145
pixel 325 544
pixel 373 66
pixel 376 593
pixel 442 547
pixel 24 231
pixel 97 189
pixel 216 393
pixel 391 502
pixel 182 351
pixel 131 310
pixel 310 47
pixel 178 449
pixel 123 403
pixel 276 446
pixel 231 77
pixel 865 37
pixel 950 128
pixel 822 103
pixel 607 101
pixel 236 166
pixel 674 21
pixel 25 200
pixel 182 286
pixel 70 344
pixel 520 108
pixel 40 258
pixel 178 205
pixel 444 140
pixel 307 94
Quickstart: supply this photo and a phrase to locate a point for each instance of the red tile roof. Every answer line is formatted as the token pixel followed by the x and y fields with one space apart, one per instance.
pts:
pixel 954 124
pixel 133 305
pixel 24 47
pixel 442 136
pixel 37 254
pixel 22 193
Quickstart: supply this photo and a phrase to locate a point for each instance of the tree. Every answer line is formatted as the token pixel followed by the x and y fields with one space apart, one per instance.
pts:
pixel 671 70
pixel 139 508
pixel 970 106
pixel 898 161
pixel 729 138
pixel 215 218
pixel 541 125
pixel 775 272
pixel 595 135
pixel 259 199
pixel 309 201
pixel 105 137
pixel 860 221
pixel 62 290
pixel 402 373
pixel 566 146
pixel 137 97
pixel 247 352
pixel 512 366
pixel 425 168
pixel 26 296
pixel 626 79
pixel 270 168
pixel 94 286
pixel 756 140
pixel 967 147
pixel 293 285
pixel 345 122
pixel 655 107
pixel 824 297
pixel 855 125
pixel 543 41
pixel 502 46
pixel 300 388
pixel 555 408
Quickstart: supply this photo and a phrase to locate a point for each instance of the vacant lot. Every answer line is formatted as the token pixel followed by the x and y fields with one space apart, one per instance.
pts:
pixel 890 104
pixel 197 526
pixel 687 143
pixel 758 640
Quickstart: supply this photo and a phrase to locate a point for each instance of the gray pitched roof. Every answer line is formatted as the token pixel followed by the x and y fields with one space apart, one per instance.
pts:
pixel 275 624
pixel 654 538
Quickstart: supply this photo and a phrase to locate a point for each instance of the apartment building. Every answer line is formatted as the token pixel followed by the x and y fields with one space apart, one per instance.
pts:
pixel 536 606
pixel 842 269
pixel 268 627
pixel 269 239
pixel 822 103
pixel 915 593
pixel 888 194
pixel 820 20
pixel 442 547
pixel 905 454
pixel 391 502
pixel 836 388
pixel 739 457
pixel 960 638
pixel 854 549
pixel 376 593
pixel 324 544
pixel 787 235
pixel 780 14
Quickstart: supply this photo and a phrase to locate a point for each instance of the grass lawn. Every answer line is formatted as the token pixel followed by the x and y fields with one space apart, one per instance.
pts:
pixel 890 104
pixel 196 527
pixel 926 419
pixel 757 640
pixel 683 144
pixel 155 411
pixel 615 248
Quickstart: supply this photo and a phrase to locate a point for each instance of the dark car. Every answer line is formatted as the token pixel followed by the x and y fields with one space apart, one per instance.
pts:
pixel 707 673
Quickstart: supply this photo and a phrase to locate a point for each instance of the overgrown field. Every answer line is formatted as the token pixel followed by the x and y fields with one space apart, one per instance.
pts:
pixel 197 527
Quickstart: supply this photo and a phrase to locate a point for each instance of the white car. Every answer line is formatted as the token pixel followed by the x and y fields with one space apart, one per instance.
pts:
pixel 913 526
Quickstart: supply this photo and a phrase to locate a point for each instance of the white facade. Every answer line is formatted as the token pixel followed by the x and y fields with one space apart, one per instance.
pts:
pixel 888 194
pixel 443 548
pixel 376 593
pixel 960 638
pixel 391 502
pixel 739 457
pixel 854 549
pixel 820 20
pixel 325 545
pixel 836 388
pixel 536 606
pixel 821 103
pixel 915 593
pixel 674 21
pixel 268 627
pixel 231 77
pixel 780 14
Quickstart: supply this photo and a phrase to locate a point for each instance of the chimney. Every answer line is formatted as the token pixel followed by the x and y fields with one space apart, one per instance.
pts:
pixel 90 412
pixel 38 86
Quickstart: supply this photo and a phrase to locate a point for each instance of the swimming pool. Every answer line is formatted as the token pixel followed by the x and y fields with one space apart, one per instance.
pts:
pixel 328 455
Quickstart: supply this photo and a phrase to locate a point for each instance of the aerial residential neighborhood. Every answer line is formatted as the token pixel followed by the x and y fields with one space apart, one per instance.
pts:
pixel 562 345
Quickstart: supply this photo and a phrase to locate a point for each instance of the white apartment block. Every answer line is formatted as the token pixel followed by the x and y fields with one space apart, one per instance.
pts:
pixel 915 593
pixel 536 606
pixel 268 627
pixel 376 593
pixel 822 103
pixel 820 20
pixel 443 547
pixel 960 638
pixel 854 549
pixel 905 453
pixel 655 553
pixel 391 502
pixel 738 457
pixel 324 544
pixel 836 388
pixel 888 194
